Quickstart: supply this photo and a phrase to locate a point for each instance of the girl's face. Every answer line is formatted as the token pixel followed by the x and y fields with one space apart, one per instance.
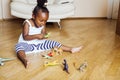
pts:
pixel 41 18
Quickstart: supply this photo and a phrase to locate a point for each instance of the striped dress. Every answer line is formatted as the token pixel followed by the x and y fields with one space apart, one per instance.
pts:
pixel 31 46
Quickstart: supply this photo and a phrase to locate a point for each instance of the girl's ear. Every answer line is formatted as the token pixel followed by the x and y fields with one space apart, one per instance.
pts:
pixel 33 16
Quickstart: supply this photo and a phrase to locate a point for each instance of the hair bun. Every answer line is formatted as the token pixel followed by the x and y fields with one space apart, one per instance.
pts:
pixel 41 3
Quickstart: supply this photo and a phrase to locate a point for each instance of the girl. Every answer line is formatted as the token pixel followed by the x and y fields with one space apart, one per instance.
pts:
pixel 33 38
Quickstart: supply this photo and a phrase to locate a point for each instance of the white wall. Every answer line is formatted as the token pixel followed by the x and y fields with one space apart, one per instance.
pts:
pixel 6 9
pixel 110 8
pixel 0 9
pixel 90 8
pixel 115 9
pixel 84 8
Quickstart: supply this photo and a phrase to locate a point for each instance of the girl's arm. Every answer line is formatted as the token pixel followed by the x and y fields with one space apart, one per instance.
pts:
pixel 44 30
pixel 26 36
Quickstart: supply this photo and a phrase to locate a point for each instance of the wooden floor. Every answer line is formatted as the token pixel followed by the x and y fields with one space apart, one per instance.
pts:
pixel 101 51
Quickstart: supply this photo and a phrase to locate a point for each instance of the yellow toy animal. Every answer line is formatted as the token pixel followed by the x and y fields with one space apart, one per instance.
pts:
pixel 54 63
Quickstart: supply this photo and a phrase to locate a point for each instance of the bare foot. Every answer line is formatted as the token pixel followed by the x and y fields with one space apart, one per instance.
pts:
pixel 25 62
pixel 76 49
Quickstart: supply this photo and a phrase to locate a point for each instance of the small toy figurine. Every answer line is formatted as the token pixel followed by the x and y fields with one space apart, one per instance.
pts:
pixel 83 66
pixel 54 63
pixel 60 51
pixel 50 54
pixel 46 56
pixel 57 51
pixel 4 59
pixel 65 66
pixel 47 35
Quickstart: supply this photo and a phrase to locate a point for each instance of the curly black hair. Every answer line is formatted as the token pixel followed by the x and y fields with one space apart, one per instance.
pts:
pixel 41 3
pixel 40 6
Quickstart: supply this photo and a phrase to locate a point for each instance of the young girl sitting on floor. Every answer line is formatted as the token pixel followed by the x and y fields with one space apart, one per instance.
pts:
pixel 32 39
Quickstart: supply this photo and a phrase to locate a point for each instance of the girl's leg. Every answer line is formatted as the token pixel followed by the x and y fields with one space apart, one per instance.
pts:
pixel 66 48
pixel 22 56
pixel 70 49
pixel 21 48
pixel 48 44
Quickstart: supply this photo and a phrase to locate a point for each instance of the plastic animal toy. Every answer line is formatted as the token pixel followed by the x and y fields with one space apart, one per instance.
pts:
pixel 83 66
pixel 50 54
pixel 65 66
pixel 47 35
pixel 4 60
pixel 46 56
pixel 57 51
pixel 54 63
